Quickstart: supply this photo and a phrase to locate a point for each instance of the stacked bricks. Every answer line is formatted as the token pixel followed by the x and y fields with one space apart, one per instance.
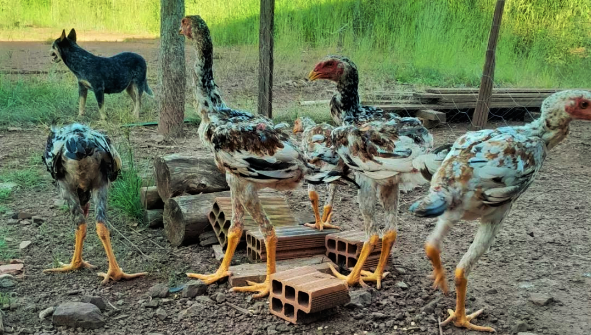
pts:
pixel 344 249
pixel 299 294
pixel 220 216
pixel 292 242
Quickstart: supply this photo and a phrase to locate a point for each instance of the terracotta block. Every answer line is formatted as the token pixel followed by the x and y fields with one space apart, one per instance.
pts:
pixel 344 249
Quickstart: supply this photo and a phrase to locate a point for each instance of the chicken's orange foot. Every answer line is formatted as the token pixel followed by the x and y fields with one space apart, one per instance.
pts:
pixel 116 274
pixel 350 279
pixel 438 271
pixel 263 288
pixel 376 277
pixel 71 267
pixel 323 222
pixel 212 278
pixel 463 321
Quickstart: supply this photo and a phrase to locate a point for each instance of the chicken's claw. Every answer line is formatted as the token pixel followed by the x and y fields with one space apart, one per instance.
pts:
pixel 463 321
pixel 263 288
pixel 71 267
pixel 212 278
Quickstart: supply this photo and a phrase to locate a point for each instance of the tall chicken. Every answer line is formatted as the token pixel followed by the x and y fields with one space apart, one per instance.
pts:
pixel 252 152
pixel 388 154
pixel 482 176
pixel 83 162
pixel 318 149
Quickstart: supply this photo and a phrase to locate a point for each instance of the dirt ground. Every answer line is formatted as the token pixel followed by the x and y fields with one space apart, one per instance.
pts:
pixel 544 248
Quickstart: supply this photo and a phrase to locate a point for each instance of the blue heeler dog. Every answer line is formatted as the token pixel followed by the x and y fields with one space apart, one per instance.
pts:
pixel 124 71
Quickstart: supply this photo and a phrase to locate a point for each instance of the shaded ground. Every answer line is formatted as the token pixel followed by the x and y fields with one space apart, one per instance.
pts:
pixel 545 246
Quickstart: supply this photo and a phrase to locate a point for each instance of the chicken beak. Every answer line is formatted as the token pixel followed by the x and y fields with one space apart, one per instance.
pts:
pixel 314 75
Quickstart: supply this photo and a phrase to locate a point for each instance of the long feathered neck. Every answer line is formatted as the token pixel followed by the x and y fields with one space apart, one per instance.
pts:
pixel 552 126
pixel 346 101
pixel 206 91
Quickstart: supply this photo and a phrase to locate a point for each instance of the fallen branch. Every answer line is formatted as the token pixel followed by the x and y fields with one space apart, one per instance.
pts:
pixel 239 309
pixel 439 324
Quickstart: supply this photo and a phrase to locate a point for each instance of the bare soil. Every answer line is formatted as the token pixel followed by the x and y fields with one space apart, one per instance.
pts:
pixel 544 247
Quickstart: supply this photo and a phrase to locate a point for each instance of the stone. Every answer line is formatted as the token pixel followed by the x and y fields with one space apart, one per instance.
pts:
pixel 400 271
pixel 7 282
pixel 78 314
pixel 8 186
pixel 194 288
pixel 59 203
pixel 158 291
pixel 161 314
pixel 378 316
pixel 220 297
pixel 360 298
pixel 152 303
pixel 203 299
pixel 24 245
pixel 402 285
pixel 37 219
pixel 46 312
pixel 95 300
pixel 23 216
pixel 521 326
pixel 541 299
pixel 526 333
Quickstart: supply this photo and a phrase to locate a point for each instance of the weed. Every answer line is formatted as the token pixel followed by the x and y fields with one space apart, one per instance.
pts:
pixel 4 195
pixel 27 178
pixel 124 194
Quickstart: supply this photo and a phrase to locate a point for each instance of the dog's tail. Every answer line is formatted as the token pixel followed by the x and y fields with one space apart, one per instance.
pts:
pixel 147 89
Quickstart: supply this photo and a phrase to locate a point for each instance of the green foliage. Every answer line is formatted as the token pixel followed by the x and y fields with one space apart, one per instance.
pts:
pixel 29 179
pixel 433 42
pixel 124 194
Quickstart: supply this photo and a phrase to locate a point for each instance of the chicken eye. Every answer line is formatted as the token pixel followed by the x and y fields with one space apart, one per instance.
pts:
pixel 584 104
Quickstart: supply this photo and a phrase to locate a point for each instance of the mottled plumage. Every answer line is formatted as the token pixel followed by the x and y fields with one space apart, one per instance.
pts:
pixel 83 162
pixel 483 175
pixel 250 149
pixel 387 152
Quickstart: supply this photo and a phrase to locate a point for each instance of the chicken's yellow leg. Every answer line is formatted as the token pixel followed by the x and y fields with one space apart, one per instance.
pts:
pixel 438 272
pixel 264 287
pixel 459 317
pixel 321 222
pixel 233 238
pixel 114 273
pixel 355 276
pixel 77 261
pixel 377 276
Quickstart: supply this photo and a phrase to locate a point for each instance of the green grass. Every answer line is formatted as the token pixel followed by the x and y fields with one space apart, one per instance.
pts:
pixel 124 194
pixel 543 43
pixel 53 99
pixel 28 178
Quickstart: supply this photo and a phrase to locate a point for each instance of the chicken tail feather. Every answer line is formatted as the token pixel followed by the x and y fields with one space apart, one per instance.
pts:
pixel 433 205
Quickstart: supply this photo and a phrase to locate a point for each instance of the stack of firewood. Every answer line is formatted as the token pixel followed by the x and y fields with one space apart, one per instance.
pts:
pixel 186 188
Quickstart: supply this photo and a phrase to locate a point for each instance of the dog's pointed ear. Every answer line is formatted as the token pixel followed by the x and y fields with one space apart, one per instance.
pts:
pixel 72 35
pixel 63 35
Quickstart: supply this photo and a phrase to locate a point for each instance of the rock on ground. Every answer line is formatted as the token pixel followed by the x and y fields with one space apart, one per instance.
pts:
pixel 541 299
pixel 46 312
pixel 95 300
pixel 78 314
pixel 194 288
pixel 359 298
pixel 158 291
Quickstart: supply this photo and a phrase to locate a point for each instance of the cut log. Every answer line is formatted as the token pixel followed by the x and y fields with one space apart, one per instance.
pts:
pixel 154 217
pixel 186 217
pixel 150 198
pixel 181 173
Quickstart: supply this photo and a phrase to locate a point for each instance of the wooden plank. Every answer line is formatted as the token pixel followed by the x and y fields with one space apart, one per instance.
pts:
pixel 474 96
pixel 482 107
pixel 430 114
pixel 258 271
pixel 466 90
pixel 266 57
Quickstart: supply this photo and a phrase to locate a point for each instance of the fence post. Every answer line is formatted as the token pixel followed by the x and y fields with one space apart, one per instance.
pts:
pixel 488 74
pixel 266 58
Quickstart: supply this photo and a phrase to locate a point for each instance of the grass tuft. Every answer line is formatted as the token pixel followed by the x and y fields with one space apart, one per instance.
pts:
pixel 124 194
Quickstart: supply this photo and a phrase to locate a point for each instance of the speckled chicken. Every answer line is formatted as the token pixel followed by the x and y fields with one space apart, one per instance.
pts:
pixel 387 153
pixel 482 176
pixel 252 152
pixel 83 162
pixel 317 148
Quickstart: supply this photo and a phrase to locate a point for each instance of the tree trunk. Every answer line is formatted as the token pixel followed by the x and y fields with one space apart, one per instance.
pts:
pixel 150 198
pixel 180 173
pixel 186 217
pixel 171 68
pixel 154 218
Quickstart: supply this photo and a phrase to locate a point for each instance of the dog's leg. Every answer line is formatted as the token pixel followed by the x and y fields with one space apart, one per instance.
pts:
pixel 134 93
pixel 100 98
pixel 82 94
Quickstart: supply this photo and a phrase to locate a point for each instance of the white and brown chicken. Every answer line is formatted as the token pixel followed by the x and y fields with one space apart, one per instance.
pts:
pixel 481 178
pixel 252 151
pixel 317 147
pixel 388 153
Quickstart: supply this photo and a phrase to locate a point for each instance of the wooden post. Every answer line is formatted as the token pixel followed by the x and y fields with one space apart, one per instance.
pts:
pixel 266 57
pixel 488 74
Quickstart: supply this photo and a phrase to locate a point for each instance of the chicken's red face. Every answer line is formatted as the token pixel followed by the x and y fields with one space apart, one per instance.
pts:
pixel 579 108
pixel 186 28
pixel 331 69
